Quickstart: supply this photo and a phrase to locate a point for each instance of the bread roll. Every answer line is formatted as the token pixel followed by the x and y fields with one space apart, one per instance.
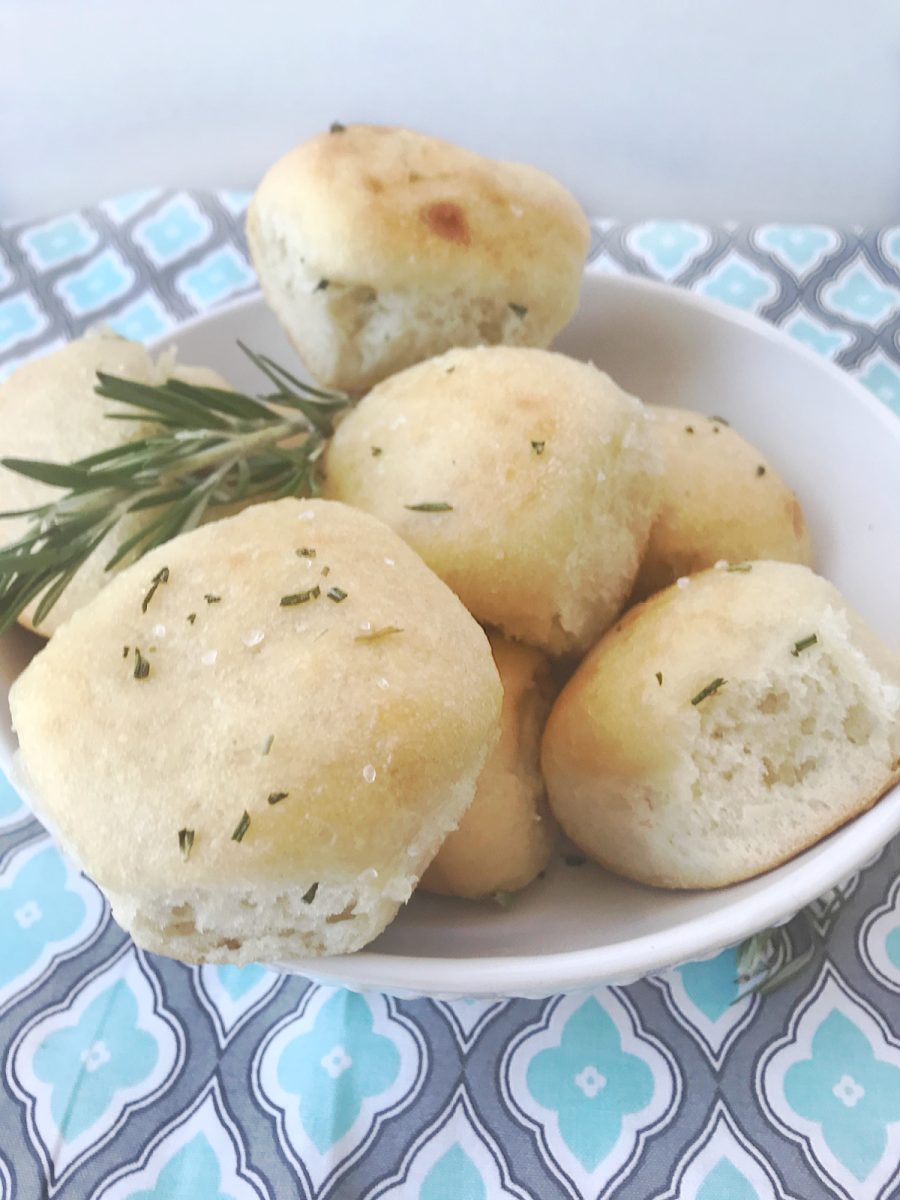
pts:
pixel 722 727
pixel 546 467
pixel 720 500
pixel 311 716
pixel 378 247
pixel 49 411
pixel 506 835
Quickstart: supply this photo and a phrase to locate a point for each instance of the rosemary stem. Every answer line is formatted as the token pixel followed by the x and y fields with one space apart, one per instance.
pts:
pixel 239 447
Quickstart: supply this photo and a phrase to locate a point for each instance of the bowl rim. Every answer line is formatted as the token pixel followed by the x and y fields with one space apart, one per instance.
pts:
pixel 594 277
pixel 809 874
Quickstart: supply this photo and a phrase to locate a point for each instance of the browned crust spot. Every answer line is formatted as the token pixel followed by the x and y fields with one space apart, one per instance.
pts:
pixel 448 221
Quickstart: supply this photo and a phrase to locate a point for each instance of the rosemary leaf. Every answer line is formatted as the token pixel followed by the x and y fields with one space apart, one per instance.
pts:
pixel 773 980
pixel 295 598
pixel 185 842
pixel 768 960
pixel 54 474
pixel 804 644
pixel 161 576
pixel 430 506
pixel 710 690
pixel 241 828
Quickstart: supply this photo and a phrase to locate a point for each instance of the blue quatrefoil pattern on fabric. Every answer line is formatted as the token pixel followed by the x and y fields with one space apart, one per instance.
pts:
pixel 172 231
pixel 121 209
pixel 231 995
pixel 58 242
pixel 199 1156
pixel 131 1077
pixel 668 248
pixel 21 320
pixel 143 320
pixel 103 280
pixel 48 910
pixel 216 278
pixel 724 1165
pixel 818 336
pixel 81 1068
pixel 833 1085
pixel 881 375
pixel 740 283
pixel 592 1085
pixel 800 249
pixel 456 1157
pixel 468 1019
pixel 332 1072
pixel 879 940
pixel 859 295
pixel 140 263
pixel 704 998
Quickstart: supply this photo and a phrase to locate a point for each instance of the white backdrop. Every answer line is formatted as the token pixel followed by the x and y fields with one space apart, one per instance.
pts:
pixel 705 108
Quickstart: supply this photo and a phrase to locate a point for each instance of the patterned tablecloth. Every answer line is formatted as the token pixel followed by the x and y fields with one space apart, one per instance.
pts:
pixel 126 1075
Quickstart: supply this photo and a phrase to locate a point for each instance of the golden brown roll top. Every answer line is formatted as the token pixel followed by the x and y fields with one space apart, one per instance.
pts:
pixel 378 247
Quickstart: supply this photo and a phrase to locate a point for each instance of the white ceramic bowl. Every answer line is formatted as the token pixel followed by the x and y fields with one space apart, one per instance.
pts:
pixel 839 448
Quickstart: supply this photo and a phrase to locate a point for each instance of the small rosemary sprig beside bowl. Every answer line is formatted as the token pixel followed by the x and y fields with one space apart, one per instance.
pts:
pixel 769 959
pixel 214 447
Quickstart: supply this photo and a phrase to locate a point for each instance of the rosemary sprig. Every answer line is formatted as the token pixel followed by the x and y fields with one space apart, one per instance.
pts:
pixel 768 960
pixel 213 447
